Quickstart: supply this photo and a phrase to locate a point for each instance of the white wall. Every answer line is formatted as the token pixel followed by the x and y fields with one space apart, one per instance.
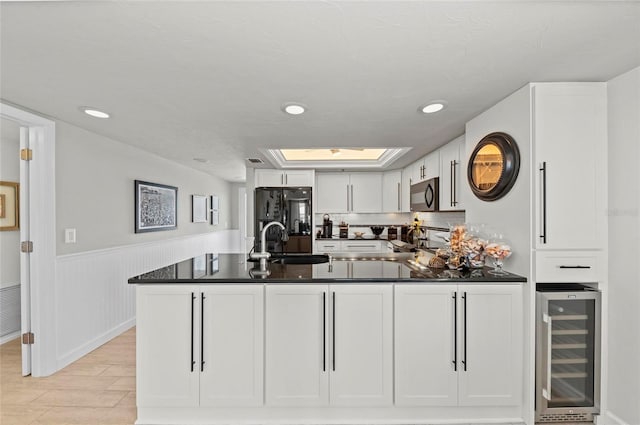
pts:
pixel 624 248
pixel 511 214
pixel 9 171
pixel 95 191
pixel 10 239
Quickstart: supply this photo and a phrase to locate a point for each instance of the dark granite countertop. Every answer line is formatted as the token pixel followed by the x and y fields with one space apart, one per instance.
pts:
pixel 381 268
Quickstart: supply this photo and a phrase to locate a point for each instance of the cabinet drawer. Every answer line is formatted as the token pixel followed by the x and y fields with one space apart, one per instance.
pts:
pixel 327 246
pixel 361 246
pixel 567 266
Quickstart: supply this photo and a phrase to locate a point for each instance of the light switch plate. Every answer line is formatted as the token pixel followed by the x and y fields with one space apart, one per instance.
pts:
pixel 69 235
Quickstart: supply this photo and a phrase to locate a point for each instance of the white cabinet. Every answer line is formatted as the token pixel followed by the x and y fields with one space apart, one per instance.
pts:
pixel 431 165
pixel 297 345
pixel 406 190
pixel 332 193
pixel 392 191
pixel 365 193
pixel 329 345
pixel 282 178
pixel 166 353
pixel 424 345
pixel 349 192
pixel 232 372
pixel 569 130
pixel 361 361
pixel 451 175
pixel 490 344
pixel 206 352
pixel 458 345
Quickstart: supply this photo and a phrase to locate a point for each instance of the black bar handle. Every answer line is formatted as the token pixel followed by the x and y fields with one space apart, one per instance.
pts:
pixel 543 172
pixel 334 330
pixel 193 298
pixel 575 267
pixel 452 168
pixel 324 331
pixel 464 353
pixel 202 332
pixel 455 331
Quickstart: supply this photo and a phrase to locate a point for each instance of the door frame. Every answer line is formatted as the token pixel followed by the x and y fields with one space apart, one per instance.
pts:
pixel 41 230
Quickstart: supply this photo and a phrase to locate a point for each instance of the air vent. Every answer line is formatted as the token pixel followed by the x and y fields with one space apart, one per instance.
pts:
pixel 565 417
pixel 255 160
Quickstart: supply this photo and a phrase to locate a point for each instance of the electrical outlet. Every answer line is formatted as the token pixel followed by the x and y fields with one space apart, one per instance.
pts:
pixel 69 235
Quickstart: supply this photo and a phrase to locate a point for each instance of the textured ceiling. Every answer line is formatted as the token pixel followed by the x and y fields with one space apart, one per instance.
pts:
pixel 207 79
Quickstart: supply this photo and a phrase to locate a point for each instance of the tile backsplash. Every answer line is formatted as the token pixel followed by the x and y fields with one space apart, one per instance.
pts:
pixel 362 221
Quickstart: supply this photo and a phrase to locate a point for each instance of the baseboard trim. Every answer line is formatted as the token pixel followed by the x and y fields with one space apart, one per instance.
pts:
pixel 70 357
pixel 9 337
pixel 616 420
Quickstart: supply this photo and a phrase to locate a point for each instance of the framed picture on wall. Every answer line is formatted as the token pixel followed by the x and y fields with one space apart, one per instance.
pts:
pixel 215 210
pixel 156 207
pixel 198 208
pixel 9 206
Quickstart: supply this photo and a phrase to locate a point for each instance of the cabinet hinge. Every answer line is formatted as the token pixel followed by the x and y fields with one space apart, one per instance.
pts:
pixel 26 154
pixel 28 338
pixel 26 246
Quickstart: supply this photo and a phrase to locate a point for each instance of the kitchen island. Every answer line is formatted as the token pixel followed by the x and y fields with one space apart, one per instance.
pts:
pixel 367 339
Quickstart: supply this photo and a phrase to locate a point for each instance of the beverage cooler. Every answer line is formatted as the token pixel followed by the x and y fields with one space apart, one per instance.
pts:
pixel 567 353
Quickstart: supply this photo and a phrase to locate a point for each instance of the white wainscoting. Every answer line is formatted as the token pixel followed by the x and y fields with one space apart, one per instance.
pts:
pixel 9 312
pixel 93 300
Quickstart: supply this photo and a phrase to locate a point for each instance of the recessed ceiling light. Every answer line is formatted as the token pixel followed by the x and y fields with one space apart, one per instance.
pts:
pixel 433 107
pixel 294 108
pixel 94 112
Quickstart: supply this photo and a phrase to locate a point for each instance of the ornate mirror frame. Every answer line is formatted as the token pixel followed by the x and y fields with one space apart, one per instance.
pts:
pixel 510 166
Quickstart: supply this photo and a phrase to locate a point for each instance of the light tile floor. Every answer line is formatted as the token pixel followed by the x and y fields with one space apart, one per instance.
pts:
pixel 98 389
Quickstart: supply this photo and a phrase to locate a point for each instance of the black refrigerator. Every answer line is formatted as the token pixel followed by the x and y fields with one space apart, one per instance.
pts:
pixel 290 206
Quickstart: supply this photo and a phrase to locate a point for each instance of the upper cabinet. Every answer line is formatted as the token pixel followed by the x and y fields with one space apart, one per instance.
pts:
pixel 451 175
pixel 425 168
pixel 569 130
pixel 282 178
pixel 392 193
pixel 349 192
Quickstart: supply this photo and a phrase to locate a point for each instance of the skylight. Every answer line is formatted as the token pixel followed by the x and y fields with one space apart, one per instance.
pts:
pixel 334 154
pixel 370 158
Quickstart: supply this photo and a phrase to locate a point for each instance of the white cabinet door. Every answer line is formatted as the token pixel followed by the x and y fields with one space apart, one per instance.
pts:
pixel 361 360
pixel 432 165
pixel 365 192
pixel 301 178
pixel 416 171
pixel 406 190
pixel 392 191
pixel 296 349
pixel 425 337
pixel 281 178
pixel 569 143
pixel 323 247
pixel 232 336
pixel 332 192
pixel 451 175
pixel 491 340
pixel 269 178
pixel 167 372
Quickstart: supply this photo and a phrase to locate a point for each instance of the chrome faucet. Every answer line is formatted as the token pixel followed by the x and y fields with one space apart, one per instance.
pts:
pixel 263 255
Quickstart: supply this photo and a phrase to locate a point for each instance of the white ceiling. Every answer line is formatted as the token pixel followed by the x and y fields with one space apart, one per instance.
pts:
pixel 207 79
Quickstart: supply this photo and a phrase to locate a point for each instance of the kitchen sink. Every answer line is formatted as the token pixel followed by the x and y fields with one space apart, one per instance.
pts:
pixel 296 259
pixel 300 259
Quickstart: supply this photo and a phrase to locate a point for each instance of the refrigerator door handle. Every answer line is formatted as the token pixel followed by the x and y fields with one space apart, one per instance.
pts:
pixel 546 391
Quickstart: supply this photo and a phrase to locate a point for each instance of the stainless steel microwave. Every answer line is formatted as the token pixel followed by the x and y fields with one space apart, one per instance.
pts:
pixel 425 196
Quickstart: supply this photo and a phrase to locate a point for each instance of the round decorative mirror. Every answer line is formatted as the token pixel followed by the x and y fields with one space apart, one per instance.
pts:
pixel 493 166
